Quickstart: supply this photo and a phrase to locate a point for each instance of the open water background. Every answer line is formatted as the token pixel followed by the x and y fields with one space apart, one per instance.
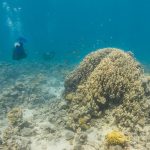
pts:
pixel 73 28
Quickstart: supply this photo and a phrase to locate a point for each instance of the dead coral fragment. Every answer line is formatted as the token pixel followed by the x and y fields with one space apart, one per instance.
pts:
pixel 15 116
pixel 116 138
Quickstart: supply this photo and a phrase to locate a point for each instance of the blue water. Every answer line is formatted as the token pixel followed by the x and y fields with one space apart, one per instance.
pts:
pixel 73 28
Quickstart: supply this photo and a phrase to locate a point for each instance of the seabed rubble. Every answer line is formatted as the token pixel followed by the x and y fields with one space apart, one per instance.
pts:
pixel 41 109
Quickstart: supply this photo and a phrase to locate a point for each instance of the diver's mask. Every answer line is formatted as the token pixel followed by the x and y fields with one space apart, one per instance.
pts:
pixel 17 44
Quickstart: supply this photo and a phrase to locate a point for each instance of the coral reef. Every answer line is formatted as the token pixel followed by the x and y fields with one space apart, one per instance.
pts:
pixel 12 140
pixel 85 68
pixel 99 122
pixel 111 79
pixel 133 114
pixel 21 92
pixel 106 79
pixel 11 137
pixel 146 84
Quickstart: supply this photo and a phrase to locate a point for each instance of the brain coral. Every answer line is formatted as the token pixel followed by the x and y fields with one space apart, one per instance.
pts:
pixel 105 78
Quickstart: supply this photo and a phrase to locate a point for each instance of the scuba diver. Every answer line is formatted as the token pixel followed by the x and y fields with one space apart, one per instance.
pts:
pixel 19 51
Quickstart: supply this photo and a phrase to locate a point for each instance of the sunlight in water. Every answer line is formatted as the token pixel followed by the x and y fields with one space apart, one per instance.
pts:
pixel 13 22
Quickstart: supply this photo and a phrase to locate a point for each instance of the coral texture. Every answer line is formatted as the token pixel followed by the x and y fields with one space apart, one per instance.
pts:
pixel 85 68
pixel 12 139
pixel 15 116
pixel 105 79
pixel 116 138
pixel 112 77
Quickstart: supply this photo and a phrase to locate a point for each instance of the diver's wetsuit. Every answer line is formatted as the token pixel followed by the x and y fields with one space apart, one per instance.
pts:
pixel 19 52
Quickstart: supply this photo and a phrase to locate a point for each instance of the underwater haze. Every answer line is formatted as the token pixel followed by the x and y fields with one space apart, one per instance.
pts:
pixel 74 75
pixel 72 29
